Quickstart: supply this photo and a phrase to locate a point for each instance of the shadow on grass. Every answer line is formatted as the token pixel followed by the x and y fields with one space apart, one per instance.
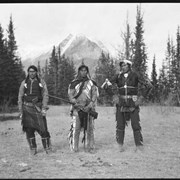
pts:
pixel 9 117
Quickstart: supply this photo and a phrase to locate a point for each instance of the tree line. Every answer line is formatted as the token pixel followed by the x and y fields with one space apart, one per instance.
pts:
pixel 11 69
pixel 166 87
pixel 59 70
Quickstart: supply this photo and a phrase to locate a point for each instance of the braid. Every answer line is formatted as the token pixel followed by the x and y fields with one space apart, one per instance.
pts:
pixel 25 84
pixel 26 80
pixel 88 75
pixel 38 78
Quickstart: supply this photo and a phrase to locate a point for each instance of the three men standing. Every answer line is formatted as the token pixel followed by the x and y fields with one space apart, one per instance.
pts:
pixel 83 93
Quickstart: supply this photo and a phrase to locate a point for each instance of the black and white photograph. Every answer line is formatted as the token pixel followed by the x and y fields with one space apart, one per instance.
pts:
pixel 89 90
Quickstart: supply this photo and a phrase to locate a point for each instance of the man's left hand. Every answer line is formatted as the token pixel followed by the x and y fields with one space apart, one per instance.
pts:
pixel 88 107
pixel 139 101
pixel 44 112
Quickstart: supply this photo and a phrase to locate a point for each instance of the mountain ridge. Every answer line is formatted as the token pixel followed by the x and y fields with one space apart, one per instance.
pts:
pixel 76 47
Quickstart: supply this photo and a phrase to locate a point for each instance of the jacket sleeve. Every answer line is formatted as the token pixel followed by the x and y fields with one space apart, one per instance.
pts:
pixel 95 93
pixel 71 93
pixel 44 95
pixel 20 96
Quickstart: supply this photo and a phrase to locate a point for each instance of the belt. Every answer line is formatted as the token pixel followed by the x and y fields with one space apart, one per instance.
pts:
pixel 31 104
pixel 125 86
pixel 128 96
pixel 28 104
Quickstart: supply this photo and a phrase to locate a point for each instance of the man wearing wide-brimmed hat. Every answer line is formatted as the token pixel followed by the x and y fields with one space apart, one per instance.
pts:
pixel 127 106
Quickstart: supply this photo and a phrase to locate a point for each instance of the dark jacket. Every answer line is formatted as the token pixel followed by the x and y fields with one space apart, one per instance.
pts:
pixel 131 82
pixel 128 85
pixel 28 91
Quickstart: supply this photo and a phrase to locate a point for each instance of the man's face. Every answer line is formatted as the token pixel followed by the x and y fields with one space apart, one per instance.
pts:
pixel 32 73
pixel 124 67
pixel 83 72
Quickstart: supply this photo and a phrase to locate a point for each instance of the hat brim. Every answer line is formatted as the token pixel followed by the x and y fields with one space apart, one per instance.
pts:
pixel 125 61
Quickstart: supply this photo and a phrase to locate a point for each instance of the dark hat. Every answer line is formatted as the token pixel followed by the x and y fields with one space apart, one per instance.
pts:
pixel 125 61
pixel 83 66
pixel 32 67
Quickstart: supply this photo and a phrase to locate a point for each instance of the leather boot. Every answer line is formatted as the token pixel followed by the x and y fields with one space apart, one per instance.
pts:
pixel 139 148
pixel 75 139
pixel 121 148
pixel 76 142
pixel 138 140
pixel 120 139
pixel 32 145
pixel 90 136
pixel 76 145
pixel 90 143
pixel 46 142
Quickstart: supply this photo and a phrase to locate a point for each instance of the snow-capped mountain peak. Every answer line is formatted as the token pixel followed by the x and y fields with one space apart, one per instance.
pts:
pixel 64 45
pixel 76 47
pixel 66 42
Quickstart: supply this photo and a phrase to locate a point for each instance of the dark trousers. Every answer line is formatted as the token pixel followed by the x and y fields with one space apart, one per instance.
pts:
pixel 135 123
pixel 30 132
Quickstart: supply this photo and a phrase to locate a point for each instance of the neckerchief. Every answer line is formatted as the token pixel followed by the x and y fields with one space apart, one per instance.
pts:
pixel 83 80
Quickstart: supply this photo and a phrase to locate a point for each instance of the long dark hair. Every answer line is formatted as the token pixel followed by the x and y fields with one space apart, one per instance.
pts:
pixel 35 69
pixel 37 76
pixel 87 69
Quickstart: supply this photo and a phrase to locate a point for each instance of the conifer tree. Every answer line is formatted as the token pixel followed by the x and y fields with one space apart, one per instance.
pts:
pixel 140 55
pixel 154 81
pixel 178 65
pixel 61 72
pixel 178 56
pixel 60 57
pixel 162 83
pixel 13 70
pixel 3 64
pixel 126 36
pixel 45 71
pixel 169 66
pixel 52 80
pixel 173 67
pixel 39 69
pixel 105 69
pixel 66 75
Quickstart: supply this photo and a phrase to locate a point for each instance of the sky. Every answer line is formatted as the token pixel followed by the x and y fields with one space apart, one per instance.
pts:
pixel 40 26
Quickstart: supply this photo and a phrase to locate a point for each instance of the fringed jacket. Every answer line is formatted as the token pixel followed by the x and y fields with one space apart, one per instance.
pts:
pixel 84 91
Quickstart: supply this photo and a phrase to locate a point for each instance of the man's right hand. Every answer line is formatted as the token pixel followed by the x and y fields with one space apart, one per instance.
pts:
pixel 106 84
pixel 73 101
pixel 78 106
pixel 20 115
pixel 44 111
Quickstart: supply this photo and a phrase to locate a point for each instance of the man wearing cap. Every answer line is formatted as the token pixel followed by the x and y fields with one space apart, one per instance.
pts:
pixel 32 102
pixel 83 92
pixel 128 103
